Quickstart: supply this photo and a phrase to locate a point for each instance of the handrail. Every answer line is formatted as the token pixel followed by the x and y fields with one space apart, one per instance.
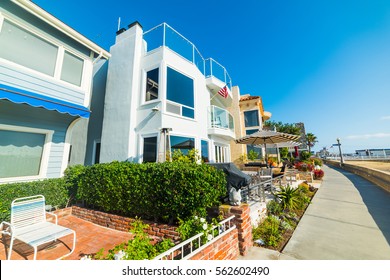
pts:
pixel 227 78
pixel 224 227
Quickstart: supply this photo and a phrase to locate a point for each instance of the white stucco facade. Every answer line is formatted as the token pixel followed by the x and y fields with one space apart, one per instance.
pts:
pixel 129 118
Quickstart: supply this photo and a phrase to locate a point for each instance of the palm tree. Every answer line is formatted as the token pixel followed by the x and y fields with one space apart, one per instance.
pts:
pixel 311 140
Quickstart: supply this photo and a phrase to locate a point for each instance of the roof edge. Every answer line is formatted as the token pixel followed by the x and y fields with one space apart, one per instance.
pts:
pixel 58 24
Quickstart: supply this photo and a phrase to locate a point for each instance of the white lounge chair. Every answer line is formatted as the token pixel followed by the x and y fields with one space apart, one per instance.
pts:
pixel 29 225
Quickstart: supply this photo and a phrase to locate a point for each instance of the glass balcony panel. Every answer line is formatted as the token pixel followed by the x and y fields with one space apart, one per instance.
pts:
pixel 228 81
pixel 199 61
pixel 221 118
pixel 218 71
pixel 179 44
pixel 231 122
pixel 208 71
pixel 154 38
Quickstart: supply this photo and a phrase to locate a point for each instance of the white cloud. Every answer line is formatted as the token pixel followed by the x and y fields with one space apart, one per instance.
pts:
pixel 385 118
pixel 368 136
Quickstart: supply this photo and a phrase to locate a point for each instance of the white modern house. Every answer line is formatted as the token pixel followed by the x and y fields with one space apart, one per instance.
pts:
pixel 46 73
pixel 161 93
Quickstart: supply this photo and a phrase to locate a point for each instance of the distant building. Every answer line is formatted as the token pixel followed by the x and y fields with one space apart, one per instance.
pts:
pixel 46 72
pixel 248 111
pixel 374 152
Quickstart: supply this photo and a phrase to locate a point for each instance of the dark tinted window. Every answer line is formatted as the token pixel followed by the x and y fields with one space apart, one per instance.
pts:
pixel 152 85
pixel 251 118
pixel 150 149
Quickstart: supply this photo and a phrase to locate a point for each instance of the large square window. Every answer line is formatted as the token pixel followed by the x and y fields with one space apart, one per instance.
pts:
pixel 20 153
pixel 180 90
pixel 27 49
pixel 152 85
pixel 184 144
pixel 251 118
pixel 150 149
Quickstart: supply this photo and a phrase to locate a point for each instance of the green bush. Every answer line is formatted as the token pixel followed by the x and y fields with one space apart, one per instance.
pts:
pixel 289 198
pixel 191 156
pixel 252 155
pixel 269 231
pixel 160 191
pixel 140 247
pixel 194 225
pixel 317 161
pixel 305 155
pixel 274 208
pixel 55 192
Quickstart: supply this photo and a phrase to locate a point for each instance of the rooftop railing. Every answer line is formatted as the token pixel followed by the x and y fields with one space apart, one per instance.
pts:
pixel 164 35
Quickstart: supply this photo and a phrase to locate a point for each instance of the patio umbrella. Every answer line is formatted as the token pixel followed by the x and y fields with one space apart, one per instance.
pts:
pixel 264 137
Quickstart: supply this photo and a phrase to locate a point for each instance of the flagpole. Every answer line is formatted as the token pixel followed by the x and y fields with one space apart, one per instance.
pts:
pixel 219 93
pixel 213 96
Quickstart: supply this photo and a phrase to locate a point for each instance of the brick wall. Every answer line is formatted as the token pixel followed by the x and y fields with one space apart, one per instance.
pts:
pixel 224 248
pixel 243 224
pixel 227 247
pixel 123 223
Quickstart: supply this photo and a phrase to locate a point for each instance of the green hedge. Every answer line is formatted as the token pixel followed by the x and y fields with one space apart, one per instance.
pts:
pixel 159 191
pixel 54 190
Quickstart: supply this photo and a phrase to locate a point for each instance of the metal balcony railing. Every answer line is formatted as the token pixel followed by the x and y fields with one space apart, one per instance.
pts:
pixel 164 35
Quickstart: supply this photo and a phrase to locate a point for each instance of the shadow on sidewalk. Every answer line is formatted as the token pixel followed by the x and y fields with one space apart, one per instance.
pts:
pixel 376 199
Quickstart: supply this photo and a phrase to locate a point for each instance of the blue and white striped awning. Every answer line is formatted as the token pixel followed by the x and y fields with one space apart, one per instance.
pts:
pixel 20 96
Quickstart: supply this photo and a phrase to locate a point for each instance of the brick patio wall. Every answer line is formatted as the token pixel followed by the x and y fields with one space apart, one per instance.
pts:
pixel 224 248
pixel 123 223
pixel 243 224
pixel 228 247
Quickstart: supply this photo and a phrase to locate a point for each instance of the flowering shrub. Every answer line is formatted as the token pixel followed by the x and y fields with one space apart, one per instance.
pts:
pixel 302 166
pixel 195 225
pixel 141 247
pixel 318 174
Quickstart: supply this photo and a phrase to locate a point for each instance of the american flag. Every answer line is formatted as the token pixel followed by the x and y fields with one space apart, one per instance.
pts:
pixel 223 92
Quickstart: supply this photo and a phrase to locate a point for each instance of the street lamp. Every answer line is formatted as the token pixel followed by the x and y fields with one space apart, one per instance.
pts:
pixel 341 154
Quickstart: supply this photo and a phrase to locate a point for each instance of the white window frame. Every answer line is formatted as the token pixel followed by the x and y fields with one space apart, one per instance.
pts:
pixel 174 102
pixel 143 87
pixel 221 153
pixel 45 153
pixel 87 65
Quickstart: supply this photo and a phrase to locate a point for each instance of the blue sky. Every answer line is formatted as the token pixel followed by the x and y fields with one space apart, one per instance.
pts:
pixel 325 63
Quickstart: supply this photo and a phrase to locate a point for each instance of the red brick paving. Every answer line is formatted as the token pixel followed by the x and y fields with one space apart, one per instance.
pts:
pixel 90 238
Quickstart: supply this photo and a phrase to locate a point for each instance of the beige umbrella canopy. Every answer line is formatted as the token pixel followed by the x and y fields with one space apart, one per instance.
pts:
pixel 265 137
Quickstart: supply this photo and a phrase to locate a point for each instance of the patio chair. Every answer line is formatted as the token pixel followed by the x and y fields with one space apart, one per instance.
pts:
pixel 29 224
pixel 266 174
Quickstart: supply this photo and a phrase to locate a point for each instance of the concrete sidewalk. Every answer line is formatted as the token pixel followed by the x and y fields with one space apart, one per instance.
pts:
pixel 349 219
